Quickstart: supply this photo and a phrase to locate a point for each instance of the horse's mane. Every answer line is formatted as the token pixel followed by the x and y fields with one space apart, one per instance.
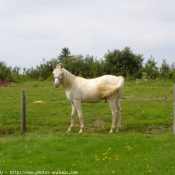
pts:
pixel 68 78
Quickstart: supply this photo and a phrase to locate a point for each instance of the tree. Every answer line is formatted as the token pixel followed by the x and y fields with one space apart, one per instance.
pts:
pixel 150 68
pixel 5 72
pixel 97 68
pixel 87 66
pixel 64 54
pixel 16 77
pixel 164 69
pixel 124 63
pixel 171 74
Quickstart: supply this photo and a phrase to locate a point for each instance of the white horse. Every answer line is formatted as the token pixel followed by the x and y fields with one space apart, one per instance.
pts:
pixel 107 87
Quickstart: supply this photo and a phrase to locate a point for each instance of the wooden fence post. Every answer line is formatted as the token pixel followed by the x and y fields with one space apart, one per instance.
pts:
pixel 23 111
pixel 174 110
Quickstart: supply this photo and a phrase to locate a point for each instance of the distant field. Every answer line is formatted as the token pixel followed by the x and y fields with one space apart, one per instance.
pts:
pixel 146 144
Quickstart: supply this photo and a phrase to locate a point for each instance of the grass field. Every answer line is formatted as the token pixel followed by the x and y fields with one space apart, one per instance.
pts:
pixel 146 144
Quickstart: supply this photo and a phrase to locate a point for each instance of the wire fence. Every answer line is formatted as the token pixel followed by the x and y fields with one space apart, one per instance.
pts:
pixel 67 101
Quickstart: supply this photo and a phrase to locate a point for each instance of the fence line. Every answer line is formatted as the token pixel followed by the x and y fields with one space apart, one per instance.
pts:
pixel 67 101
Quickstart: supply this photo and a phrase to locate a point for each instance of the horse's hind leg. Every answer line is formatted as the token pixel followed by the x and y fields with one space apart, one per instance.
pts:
pixel 72 117
pixel 114 111
pixel 116 114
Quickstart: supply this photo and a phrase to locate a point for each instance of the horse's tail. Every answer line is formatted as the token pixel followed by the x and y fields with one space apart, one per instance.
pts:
pixel 109 90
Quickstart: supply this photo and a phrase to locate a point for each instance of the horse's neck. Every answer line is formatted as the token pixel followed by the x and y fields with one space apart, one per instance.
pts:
pixel 68 79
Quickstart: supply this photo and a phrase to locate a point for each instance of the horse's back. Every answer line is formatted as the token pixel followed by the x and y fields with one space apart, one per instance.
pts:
pixel 108 79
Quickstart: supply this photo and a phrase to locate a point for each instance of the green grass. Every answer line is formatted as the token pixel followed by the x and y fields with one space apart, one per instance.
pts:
pixel 89 154
pixel 146 144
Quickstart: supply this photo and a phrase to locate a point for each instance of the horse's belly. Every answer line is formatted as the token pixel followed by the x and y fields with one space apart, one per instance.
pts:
pixel 91 99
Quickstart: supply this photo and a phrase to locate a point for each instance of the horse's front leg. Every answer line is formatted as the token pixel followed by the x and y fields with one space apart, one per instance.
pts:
pixel 78 106
pixel 72 117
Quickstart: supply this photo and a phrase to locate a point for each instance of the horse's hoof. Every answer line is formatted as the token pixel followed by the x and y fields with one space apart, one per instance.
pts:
pixel 69 130
pixel 118 130
pixel 80 132
pixel 111 131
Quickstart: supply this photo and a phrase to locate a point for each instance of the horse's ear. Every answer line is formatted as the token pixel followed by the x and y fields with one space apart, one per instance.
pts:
pixel 54 66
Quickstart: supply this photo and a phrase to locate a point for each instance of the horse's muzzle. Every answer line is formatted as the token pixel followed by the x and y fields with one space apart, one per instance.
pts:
pixel 56 85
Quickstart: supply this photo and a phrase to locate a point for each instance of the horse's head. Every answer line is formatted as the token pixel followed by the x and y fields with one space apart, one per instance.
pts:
pixel 58 75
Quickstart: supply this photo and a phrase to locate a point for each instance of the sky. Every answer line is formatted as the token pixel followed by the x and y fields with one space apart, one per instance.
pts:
pixel 31 30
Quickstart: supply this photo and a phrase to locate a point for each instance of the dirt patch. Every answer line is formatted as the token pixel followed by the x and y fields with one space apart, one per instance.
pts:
pixel 98 122
pixel 6 84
